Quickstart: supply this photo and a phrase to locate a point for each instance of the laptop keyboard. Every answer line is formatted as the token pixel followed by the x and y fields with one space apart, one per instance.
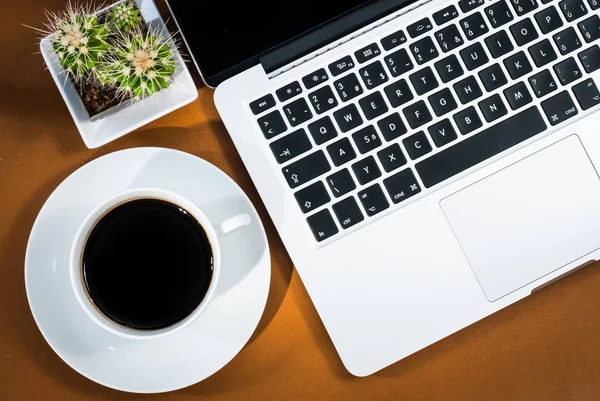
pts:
pixel 399 116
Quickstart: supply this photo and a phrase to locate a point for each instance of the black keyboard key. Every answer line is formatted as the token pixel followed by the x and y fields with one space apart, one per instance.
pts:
pixel 366 139
pixel 567 71
pixel 373 200
pixel 367 53
pixel 424 81
pixel 341 183
pixel 306 169
pixel 419 28
pixel 272 124
pixel 391 158
pixel 442 133
pixel 323 100
pixel 498 14
pixel 572 9
pixel 402 185
pixel 342 65
pixel 559 108
pixel 474 56
pixel 587 94
pixel 548 20
pixel 468 120
pixel 398 93
pixel 567 41
pixel 417 145
pixel 470 5
pixel 289 91
pixel 424 50
pixel 518 96
pixel 322 225
pixel 449 38
pixel 468 90
pixel 524 6
pixel 399 62
pixel 499 44
pixel 394 40
pixel 442 102
pixel 373 105
pixel 341 152
pixel 348 118
pixel 542 83
pixel 391 127
pixel 291 146
pixel 542 53
pixel 264 103
pixel 474 26
pixel 493 77
pixel 493 108
pixel 590 59
pixel 417 114
pixel 373 75
pixel 348 87
pixel 297 112
pixel 449 69
pixel 312 197
pixel 444 15
pixel 322 130
pixel 473 150
pixel 366 170
pixel 315 79
pixel 524 32
pixel 590 28
pixel 348 213
pixel 518 65
pixel 594 4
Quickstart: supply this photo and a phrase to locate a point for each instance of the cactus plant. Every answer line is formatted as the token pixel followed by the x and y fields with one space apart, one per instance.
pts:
pixel 125 16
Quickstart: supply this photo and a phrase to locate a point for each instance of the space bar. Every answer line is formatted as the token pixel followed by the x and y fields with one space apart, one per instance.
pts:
pixel 480 147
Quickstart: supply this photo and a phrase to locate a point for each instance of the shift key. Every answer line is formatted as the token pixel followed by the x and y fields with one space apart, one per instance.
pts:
pixel 306 169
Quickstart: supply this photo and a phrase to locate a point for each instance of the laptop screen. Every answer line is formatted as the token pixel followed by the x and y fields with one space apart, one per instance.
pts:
pixel 223 34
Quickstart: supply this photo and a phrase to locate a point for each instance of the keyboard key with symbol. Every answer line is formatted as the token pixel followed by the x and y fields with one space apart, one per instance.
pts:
pixel 424 50
pixel 449 38
pixel 341 152
pixel 493 77
pixel 468 120
pixel 523 7
pixel 542 53
pixel 272 124
pixel 590 28
pixel 348 213
pixel 366 139
pixel 493 108
pixel 594 4
pixel 399 63
pixel 474 26
pixel 315 79
pixel 289 91
pixel 367 53
pixel 542 83
pixel 373 105
pixel 348 118
pixel 417 114
pixel 322 225
pixel 518 65
pixel 474 56
pixel 373 75
pixel 590 59
pixel 468 90
pixel 449 69
pixel 567 41
pixel 262 104
pixel 498 14
pixel 446 14
pixel 559 108
pixel 424 81
pixel 567 71
pixel 348 87
pixel 391 158
pixel 548 20
pixel 572 9
pixel 297 112
pixel 518 96
pixel 419 28
pixel 442 133
pixel 291 146
pixel 366 170
pixel 312 197
pixel 587 94
pixel 470 5
pixel 394 40
pixel 499 44
pixel 341 66
pixel 341 183
pixel 402 186
pixel 373 200
pixel 322 130
pixel 417 145
pixel 524 32
pixel 398 93
pixel 477 148
pixel 391 127
pixel 442 102
pixel 306 169
pixel 323 100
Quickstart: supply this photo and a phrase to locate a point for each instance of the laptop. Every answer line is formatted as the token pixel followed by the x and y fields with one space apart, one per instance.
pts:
pixel 426 163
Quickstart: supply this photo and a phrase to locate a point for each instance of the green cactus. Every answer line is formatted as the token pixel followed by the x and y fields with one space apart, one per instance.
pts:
pixel 79 40
pixel 125 16
pixel 140 63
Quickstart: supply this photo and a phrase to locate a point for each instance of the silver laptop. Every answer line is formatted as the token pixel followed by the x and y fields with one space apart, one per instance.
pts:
pixel 426 163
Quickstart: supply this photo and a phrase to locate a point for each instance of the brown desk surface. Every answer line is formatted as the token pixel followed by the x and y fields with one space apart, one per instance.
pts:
pixel 546 347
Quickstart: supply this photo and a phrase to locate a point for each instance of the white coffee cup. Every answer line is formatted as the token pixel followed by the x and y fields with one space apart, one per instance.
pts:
pixel 213 233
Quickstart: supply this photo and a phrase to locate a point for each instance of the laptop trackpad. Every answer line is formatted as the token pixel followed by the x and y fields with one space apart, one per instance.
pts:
pixel 529 219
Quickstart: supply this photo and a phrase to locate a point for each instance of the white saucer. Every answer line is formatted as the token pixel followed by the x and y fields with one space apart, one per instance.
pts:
pixel 182 358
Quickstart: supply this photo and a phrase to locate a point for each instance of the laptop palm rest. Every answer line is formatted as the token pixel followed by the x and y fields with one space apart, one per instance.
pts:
pixel 529 219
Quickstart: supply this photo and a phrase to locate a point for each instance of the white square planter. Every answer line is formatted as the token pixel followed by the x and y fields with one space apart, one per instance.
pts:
pixel 122 119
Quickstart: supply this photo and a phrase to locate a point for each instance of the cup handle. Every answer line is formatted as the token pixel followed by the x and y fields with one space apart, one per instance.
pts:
pixel 232 224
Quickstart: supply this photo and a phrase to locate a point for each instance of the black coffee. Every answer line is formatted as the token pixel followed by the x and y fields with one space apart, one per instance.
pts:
pixel 147 264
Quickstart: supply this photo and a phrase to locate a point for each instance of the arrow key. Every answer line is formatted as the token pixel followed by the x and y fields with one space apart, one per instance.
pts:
pixel 373 200
pixel 312 197
pixel 290 146
pixel 587 94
